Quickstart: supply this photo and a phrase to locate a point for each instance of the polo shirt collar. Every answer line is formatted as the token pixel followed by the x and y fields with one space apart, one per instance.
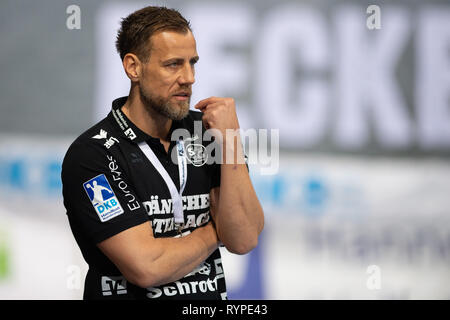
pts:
pixel 128 129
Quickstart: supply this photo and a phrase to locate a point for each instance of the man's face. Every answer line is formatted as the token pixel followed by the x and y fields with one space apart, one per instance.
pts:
pixel 168 75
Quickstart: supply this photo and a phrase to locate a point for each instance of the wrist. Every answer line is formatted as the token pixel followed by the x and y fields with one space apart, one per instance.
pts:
pixel 209 236
pixel 233 151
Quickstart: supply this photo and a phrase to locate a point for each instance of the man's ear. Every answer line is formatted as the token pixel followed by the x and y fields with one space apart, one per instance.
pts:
pixel 132 66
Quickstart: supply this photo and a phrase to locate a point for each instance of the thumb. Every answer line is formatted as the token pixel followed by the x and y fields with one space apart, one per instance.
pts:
pixel 205 122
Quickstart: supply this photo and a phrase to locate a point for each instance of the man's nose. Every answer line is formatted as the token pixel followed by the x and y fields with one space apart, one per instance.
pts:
pixel 187 75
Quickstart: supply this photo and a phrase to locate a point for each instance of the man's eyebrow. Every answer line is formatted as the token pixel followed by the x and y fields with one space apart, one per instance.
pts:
pixel 171 60
pixel 180 60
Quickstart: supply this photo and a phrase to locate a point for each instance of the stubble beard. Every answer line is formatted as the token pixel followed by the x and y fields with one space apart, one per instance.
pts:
pixel 173 111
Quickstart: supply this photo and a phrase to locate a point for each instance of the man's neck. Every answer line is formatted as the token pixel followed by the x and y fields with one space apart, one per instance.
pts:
pixel 149 121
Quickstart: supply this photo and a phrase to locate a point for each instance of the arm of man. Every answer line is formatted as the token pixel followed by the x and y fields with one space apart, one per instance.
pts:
pixel 235 208
pixel 147 261
pixel 127 237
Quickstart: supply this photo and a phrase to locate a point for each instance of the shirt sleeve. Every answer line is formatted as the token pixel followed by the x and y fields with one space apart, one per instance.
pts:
pixel 98 193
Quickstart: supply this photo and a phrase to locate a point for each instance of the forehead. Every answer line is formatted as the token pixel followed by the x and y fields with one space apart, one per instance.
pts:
pixel 169 44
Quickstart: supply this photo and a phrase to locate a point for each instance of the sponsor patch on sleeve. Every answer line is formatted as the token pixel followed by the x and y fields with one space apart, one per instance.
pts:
pixel 103 198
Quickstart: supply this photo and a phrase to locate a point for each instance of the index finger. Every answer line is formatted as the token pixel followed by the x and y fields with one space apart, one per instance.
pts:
pixel 202 104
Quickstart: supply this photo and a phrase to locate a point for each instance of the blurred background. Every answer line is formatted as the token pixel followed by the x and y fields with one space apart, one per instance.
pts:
pixel 359 206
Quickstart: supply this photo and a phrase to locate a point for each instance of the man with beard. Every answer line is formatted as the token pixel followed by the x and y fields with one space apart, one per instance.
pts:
pixel 153 228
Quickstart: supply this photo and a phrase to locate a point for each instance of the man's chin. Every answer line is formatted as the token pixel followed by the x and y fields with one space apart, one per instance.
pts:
pixel 178 112
pixel 174 110
pixel 181 115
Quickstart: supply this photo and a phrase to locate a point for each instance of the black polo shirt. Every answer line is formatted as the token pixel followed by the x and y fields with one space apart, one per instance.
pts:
pixel 109 185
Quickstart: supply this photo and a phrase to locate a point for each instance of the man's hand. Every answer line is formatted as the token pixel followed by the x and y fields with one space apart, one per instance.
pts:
pixel 219 114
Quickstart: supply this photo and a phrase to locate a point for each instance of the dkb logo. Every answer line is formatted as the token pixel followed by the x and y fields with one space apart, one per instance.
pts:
pixel 103 198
